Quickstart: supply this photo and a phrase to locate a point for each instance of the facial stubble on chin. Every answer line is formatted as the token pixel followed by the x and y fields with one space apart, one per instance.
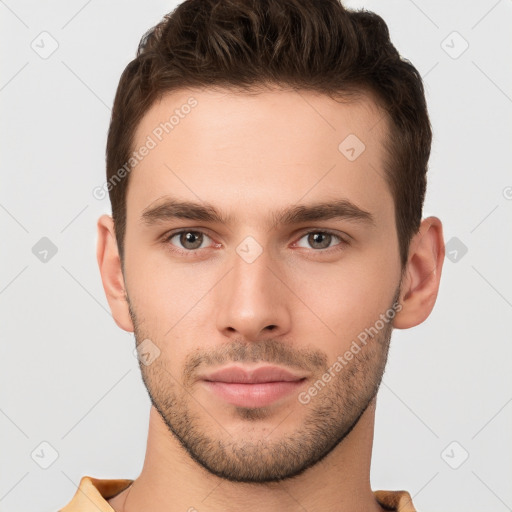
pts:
pixel 329 417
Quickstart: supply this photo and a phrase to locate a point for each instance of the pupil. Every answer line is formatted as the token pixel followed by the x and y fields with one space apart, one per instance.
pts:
pixel 316 237
pixel 189 238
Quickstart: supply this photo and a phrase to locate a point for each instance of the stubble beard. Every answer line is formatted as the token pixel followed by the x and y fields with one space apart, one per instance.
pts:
pixel 328 418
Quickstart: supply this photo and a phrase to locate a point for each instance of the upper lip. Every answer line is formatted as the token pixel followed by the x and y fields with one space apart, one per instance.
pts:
pixel 252 376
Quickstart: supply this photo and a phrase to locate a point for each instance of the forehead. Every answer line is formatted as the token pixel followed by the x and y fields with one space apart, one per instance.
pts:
pixel 249 151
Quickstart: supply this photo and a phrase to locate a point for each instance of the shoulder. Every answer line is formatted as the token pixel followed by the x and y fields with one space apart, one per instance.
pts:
pixel 92 493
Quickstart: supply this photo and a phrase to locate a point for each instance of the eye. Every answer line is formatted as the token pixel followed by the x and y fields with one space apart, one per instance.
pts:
pixel 189 240
pixel 321 240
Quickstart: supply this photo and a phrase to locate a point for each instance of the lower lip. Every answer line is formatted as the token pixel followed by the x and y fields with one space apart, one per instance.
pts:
pixel 253 395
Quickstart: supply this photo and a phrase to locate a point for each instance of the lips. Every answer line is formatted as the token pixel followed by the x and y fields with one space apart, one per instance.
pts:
pixel 255 376
pixel 252 387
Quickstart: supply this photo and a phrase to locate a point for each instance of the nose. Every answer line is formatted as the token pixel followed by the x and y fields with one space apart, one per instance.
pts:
pixel 253 300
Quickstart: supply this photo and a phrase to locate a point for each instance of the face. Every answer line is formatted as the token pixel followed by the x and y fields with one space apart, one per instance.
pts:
pixel 262 272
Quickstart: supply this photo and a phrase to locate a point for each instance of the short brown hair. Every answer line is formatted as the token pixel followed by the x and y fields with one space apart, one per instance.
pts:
pixel 315 45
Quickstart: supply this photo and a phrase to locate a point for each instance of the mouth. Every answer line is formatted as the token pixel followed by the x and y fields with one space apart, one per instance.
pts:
pixel 252 388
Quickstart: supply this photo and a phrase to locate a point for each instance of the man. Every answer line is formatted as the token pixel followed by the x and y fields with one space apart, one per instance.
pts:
pixel 266 165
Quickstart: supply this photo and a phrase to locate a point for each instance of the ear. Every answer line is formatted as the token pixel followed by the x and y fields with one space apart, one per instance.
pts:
pixel 422 275
pixel 111 272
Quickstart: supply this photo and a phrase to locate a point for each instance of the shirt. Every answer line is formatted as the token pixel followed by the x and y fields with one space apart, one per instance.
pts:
pixel 92 495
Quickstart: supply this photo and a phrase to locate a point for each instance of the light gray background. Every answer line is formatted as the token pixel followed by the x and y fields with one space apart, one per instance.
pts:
pixel 69 377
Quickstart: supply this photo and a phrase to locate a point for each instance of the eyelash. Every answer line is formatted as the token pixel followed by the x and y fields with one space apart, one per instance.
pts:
pixel 193 252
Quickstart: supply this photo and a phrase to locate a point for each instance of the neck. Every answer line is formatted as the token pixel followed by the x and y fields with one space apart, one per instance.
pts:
pixel 171 481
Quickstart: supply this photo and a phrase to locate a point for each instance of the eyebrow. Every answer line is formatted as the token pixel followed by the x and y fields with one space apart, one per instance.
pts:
pixel 172 208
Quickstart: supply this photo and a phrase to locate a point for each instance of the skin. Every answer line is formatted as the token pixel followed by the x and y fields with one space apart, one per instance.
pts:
pixel 298 305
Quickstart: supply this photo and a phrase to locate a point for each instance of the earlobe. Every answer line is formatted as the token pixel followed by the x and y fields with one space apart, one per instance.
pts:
pixel 112 277
pixel 422 276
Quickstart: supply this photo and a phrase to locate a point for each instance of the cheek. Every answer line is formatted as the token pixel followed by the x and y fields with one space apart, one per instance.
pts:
pixel 160 291
pixel 341 301
pixel 170 302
